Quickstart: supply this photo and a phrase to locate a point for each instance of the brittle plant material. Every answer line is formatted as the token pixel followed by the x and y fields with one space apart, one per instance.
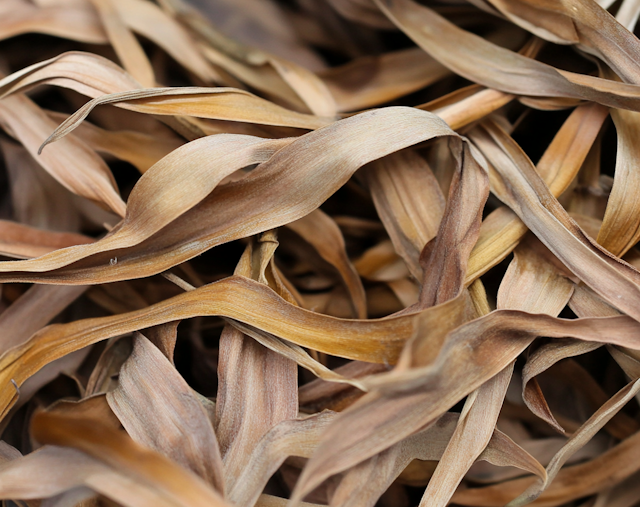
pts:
pixel 341 252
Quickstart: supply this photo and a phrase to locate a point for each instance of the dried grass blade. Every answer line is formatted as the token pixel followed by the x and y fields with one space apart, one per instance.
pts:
pixel 126 46
pixel 364 484
pixel 404 401
pixel 72 163
pixel 243 413
pixel 276 501
pixel 241 210
pixel 469 56
pixel 471 436
pixel 407 413
pixel 75 22
pixel 284 138
pixel 35 193
pixel 565 485
pixel 462 107
pixel 362 12
pixel 541 360
pixel 309 87
pixel 53 470
pixel 380 79
pixel 448 254
pixel 288 438
pixel 620 228
pixel 88 74
pixel 215 103
pixel 33 310
pixel 249 302
pixel 118 451
pixel 149 20
pixel 529 285
pixel 628 14
pixel 22 241
pixel 295 353
pixel 171 187
pixel 501 230
pixel 530 198
pixel 160 411
pixel 409 202
pixel 319 229
pixel 583 23
pixel 140 149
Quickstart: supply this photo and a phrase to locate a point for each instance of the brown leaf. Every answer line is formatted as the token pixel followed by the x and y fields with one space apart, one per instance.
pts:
pixel 163 413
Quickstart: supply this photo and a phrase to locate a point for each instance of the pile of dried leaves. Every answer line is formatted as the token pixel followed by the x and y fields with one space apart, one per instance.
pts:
pixel 343 252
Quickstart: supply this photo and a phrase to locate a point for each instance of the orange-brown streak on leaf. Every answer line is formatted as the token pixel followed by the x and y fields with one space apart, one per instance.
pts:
pixel 404 401
pixel 620 228
pixel 502 230
pixel 244 300
pixel 461 109
pixel 530 198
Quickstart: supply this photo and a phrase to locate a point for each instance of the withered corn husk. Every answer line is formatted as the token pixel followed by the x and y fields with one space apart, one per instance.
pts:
pixel 333 252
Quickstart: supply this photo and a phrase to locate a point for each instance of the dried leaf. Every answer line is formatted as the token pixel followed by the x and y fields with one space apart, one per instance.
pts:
pixel 154 412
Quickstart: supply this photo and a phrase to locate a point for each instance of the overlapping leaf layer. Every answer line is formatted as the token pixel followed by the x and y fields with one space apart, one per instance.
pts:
pixel 334 252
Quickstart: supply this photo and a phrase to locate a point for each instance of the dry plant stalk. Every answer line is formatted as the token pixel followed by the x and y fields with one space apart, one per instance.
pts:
pixel 334 252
